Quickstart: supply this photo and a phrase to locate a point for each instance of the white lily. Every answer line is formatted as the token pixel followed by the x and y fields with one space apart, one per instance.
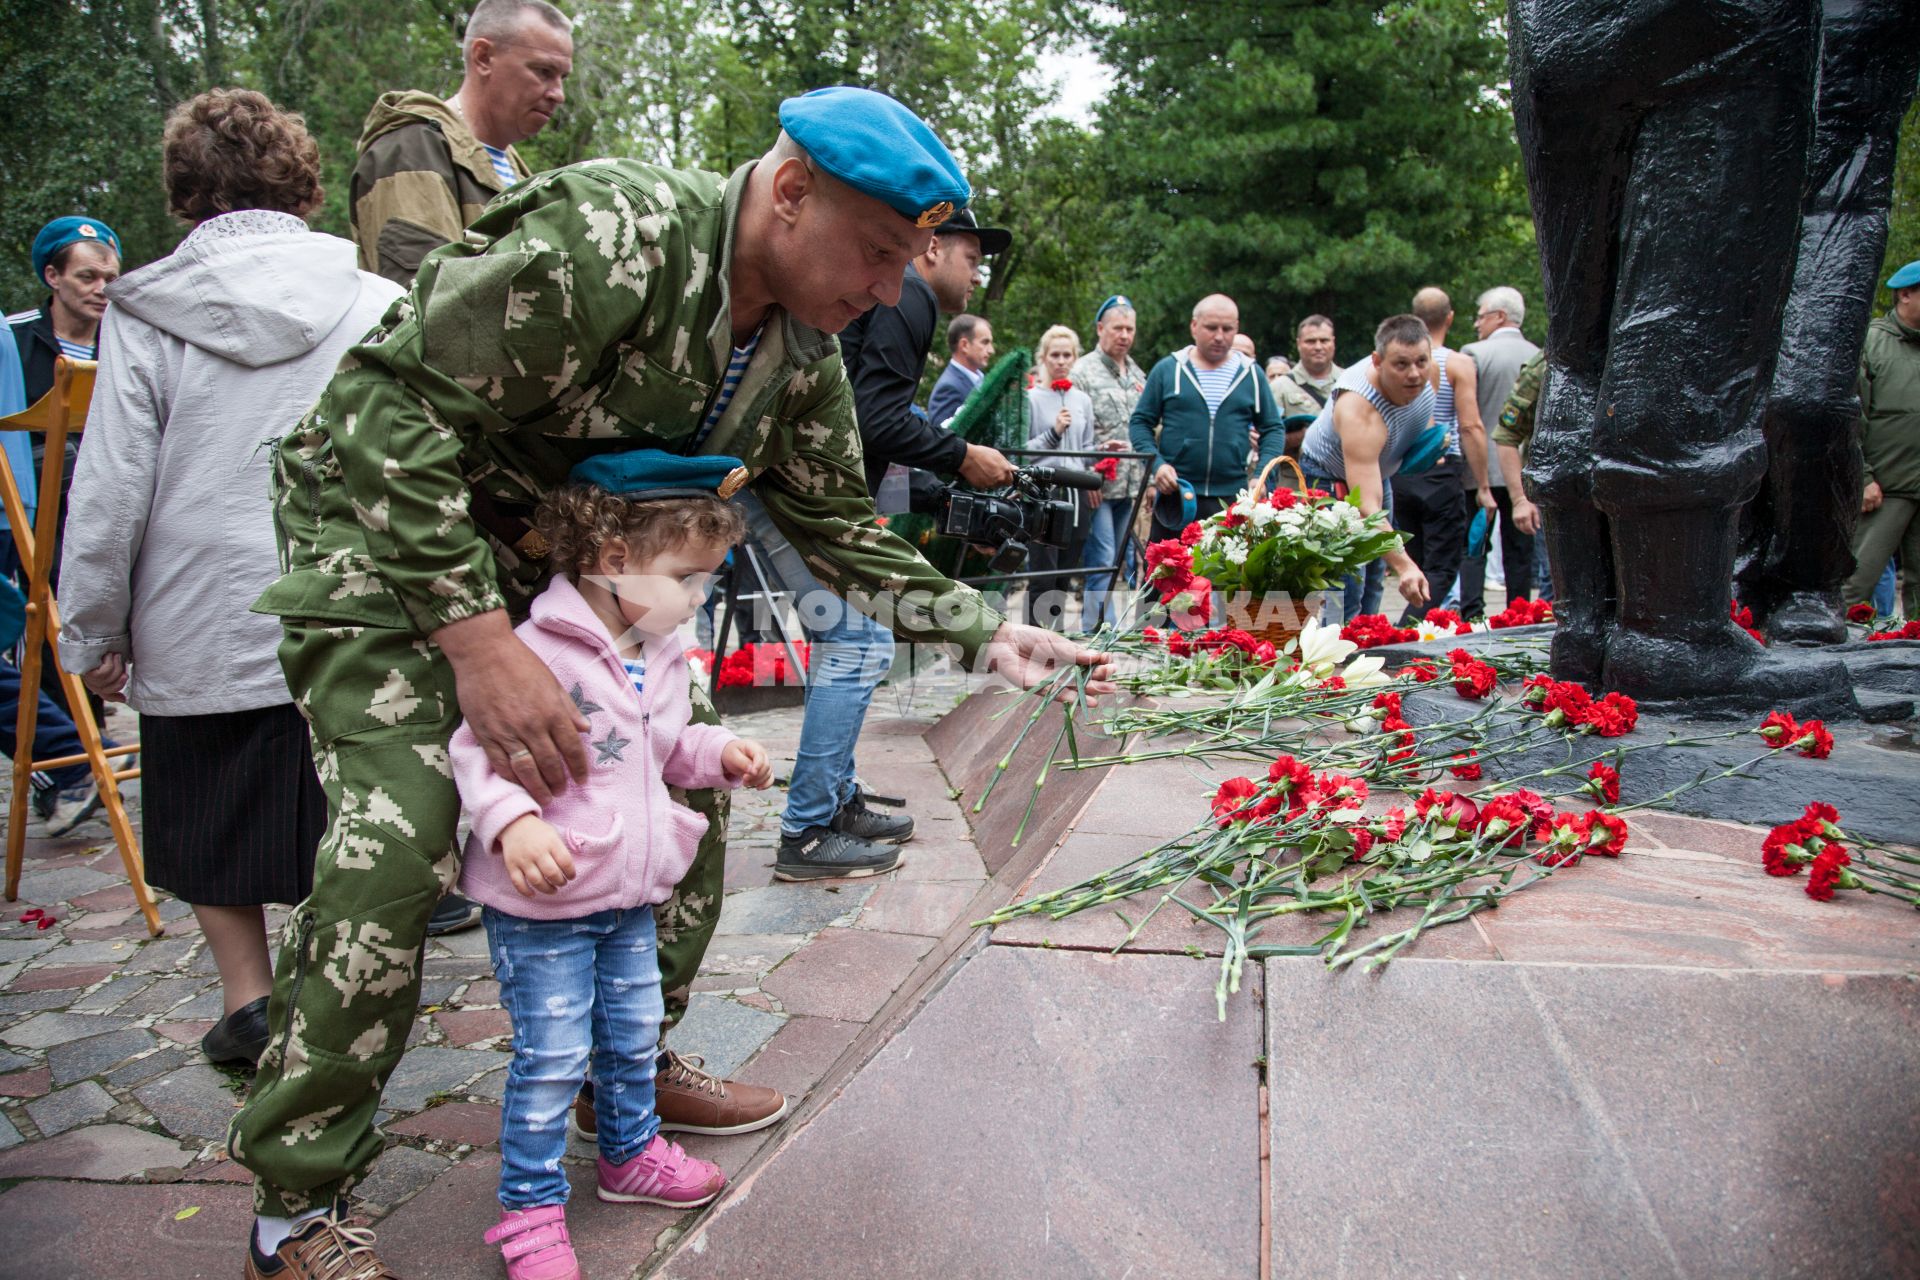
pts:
pixel 1321 649
pixel 1365 671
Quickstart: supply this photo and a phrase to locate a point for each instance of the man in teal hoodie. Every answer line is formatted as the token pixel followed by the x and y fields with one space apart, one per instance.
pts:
pixel 1195 415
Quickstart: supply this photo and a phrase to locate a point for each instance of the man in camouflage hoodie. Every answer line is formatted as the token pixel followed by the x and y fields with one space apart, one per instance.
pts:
pixel 428 165
pixel 595 308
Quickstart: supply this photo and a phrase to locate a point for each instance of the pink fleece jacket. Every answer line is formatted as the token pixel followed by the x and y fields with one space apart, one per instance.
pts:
pixel 631 842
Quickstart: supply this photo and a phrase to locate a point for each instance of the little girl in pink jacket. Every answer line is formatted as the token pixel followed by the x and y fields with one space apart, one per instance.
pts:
pixel 569 889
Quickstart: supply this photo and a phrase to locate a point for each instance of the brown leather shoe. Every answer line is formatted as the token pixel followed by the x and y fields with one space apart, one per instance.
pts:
pixel 323 1249
pixel 691 1100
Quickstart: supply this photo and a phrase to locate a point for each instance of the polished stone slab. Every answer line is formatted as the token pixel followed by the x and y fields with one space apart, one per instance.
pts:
pixel 1495 1120
pixel 1045 1114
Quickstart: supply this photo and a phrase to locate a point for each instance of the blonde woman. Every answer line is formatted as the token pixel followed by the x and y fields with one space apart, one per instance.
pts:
pixel 1059 417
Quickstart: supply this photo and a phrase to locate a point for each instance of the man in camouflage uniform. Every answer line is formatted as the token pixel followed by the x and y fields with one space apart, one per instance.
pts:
pixel 595 308
pixel 1514 433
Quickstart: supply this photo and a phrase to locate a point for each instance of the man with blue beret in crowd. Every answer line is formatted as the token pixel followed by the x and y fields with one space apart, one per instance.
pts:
pixel 1889 388
pixel 606 306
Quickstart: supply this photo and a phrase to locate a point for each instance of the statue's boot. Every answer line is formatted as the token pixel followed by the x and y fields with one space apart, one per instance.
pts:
pixel 1582 565
pixel 1673 642
pixel 1808 619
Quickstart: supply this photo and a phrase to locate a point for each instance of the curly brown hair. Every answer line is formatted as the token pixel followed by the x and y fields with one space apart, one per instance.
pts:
pixel 579 519
pixel 230 149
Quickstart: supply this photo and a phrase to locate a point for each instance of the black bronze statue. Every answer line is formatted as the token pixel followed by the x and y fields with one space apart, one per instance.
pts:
pixel 1671 152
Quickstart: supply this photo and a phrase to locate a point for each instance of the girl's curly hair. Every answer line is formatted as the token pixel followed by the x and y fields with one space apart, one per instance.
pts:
pixel 579 519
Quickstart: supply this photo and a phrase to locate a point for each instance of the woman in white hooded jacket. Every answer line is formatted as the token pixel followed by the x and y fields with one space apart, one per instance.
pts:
pixel 204 355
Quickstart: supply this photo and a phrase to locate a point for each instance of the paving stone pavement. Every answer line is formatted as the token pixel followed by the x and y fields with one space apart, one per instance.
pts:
pixel 104 1094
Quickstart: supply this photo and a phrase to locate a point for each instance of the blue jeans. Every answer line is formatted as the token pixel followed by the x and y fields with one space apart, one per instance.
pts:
pixel 1364 587
pixel 575 989
pixel 851 656
pixel 53 733
pixel 1883 591
pixel 1106 544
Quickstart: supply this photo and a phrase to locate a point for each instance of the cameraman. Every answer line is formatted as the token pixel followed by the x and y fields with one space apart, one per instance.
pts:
pixel 828 828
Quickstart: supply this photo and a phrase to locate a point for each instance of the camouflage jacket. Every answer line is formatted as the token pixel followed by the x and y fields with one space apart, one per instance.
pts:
pixel 1297 408
pixel 591 315
pixel 421 178
pixel 1114 391
pixel 1516 416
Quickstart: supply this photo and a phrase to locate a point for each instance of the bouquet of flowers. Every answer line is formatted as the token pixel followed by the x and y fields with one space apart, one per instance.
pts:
pixel 760 665
pixel 1286 543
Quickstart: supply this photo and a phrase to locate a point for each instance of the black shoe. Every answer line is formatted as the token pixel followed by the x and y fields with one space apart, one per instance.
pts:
pixel 856 818
pixel 821 853
pixel 453 914
pixel 241 1036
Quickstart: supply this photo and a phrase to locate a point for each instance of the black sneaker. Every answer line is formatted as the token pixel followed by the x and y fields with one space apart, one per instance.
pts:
pixel 821 853
pixel 857 817
pixel 452 914
pixel 241 1036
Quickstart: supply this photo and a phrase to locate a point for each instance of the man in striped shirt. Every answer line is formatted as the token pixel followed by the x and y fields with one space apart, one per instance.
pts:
pixel 428 166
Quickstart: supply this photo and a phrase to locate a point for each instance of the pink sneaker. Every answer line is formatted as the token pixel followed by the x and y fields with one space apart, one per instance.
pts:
pixel 534 1244
pixel 661 1174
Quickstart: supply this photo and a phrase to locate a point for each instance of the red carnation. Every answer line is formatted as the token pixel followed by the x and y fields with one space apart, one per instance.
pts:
pixel 1613 716
pixel 1453 807
pixel 1535 690
pixel 1107 468
pixel 1566 840
pixel 1467 769
pixel 1606 833
pixel 1822 817
pixel 1778 729
pixel 1388 701
pixel 1152 636
pixel 1507 821
pixel 1424 671
pixel 1362 843
pixel 1828 873
pixel 1179 645
pixel 1192 534
pixel 1862 612
pixel 1603 782
pixel 1339 791
pixel 1814 740
pixel 1265 654
pixel 1290 777
pixel 1909 632
pixel 1231 798
pixel 1281 499
pixel 1395 824
pixel 1448 618
pixel 1786 848
pixel 1062 385
pixel 1472 678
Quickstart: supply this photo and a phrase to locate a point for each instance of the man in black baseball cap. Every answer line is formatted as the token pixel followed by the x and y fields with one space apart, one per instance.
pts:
pixel 829 828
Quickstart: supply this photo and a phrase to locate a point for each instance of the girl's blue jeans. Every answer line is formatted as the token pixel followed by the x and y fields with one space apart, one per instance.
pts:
pixel 577 990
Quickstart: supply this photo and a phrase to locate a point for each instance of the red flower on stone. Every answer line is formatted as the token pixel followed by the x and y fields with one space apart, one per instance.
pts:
pixel 1467 769
pixel 1338 791
pixel 1290 777
pixel 1423 671
pixel 1507 821
pixel 1909 632
pixel 1395 824
pixel 1539 807
pixel 1603 782
pixel 1823 818
pixel 1388 701
pixel 1472 678
pixel 1152 635
pixel 1778 729
pixel 1566 841
pixel 1536 689
pixel 1814 740
pixel 1786 848
pixel 1862 612
pixel 1362 843
pixel 1828 873
pixel 1449 619
pixel 1232 798
pixel 1452 807
pixel 1613 716
pixel 1606 833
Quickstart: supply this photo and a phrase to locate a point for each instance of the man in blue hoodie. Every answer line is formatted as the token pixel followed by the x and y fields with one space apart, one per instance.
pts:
pixel 1199 405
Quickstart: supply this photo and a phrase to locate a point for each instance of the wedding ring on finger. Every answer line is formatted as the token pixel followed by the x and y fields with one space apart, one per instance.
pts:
pixel 521 754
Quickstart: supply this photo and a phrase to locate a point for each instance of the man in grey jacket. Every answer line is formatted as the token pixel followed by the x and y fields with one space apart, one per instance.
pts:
pixel 1497 358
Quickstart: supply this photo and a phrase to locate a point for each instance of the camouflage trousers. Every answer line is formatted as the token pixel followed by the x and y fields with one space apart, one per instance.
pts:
pixel 382 705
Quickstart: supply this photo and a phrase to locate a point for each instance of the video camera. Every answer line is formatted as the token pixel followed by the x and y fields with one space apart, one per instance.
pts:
pixel 1026 511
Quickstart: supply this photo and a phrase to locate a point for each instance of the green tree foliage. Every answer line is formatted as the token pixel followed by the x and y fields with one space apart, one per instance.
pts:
pixel 1903 238
pixel 1327 156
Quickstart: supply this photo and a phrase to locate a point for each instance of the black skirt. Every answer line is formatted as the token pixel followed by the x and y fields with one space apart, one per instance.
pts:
pixel 231 810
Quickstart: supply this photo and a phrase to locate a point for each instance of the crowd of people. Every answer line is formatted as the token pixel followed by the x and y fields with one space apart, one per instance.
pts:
pixel 563 400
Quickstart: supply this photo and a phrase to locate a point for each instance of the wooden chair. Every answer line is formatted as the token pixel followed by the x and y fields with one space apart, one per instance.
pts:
pixel 59 413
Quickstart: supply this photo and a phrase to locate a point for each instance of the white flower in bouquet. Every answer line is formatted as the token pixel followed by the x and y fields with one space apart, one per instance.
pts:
pixel 1235 552
pixel 1263 515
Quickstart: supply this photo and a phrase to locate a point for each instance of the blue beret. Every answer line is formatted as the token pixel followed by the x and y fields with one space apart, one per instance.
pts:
pixel 61 232
pixel 876 146
pixel 1906 277
pixel 652 473
pixel 1117 300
